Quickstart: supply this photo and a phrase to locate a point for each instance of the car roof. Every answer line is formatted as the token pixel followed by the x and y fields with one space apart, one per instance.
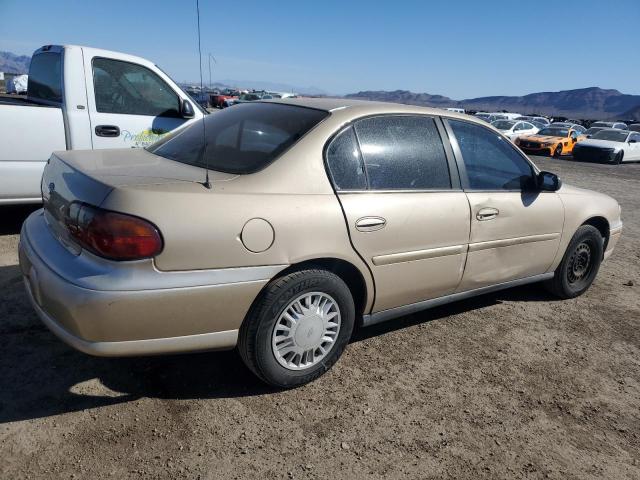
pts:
pixel 366 107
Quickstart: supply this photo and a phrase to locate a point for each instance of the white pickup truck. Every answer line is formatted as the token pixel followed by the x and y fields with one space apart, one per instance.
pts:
pixel 83 98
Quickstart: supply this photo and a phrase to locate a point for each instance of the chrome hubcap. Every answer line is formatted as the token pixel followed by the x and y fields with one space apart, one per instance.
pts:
pixel 306 331
pixel 580 263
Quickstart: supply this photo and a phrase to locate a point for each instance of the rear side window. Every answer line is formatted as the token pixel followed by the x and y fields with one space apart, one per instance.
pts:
pixel 45 77
pixel 242 139
pixel 130 89
pixel 491 162
pixel 344 162
pixel 403 152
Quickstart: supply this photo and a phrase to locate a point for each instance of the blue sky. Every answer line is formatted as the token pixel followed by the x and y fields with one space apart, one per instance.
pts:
pixel 460 49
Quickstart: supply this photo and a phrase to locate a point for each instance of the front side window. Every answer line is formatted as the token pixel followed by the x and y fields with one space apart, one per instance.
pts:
pixel 130 89
pixel 403 152
pixel 491 162
pixel 45 77
pixel 239 140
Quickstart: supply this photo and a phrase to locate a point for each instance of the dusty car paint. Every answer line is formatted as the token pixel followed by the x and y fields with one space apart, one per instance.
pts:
pixel 195 294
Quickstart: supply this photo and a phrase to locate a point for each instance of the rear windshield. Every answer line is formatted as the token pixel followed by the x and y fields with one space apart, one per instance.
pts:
pixel 241 139
pixel 503 124
pixel 45 77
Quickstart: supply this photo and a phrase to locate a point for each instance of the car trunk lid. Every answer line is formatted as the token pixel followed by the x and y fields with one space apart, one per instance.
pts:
pixel 90 176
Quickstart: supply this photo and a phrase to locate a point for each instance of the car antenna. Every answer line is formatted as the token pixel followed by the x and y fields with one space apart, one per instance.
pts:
pixel 206 183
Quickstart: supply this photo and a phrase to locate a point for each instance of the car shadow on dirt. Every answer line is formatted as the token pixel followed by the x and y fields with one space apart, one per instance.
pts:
pixel 43 377
pixel 526 293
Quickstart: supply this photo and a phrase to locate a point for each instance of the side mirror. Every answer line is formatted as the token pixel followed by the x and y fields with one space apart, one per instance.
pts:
pixel 633 140
pixel 548 182
pixel 186 109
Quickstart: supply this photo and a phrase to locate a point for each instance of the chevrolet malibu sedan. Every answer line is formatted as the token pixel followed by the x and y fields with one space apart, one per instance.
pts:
pixel 610 145
pixel 277 227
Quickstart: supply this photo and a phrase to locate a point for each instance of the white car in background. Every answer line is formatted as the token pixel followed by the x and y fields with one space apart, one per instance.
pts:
pixel 611 145
pixel 617 125
pixel 529 118
pixel 509 115
pixel 515 128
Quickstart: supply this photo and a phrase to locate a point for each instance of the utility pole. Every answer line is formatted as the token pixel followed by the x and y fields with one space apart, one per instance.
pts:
pixel 215 61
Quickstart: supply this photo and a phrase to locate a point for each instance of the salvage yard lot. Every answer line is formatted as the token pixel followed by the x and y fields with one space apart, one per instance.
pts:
pixel 514 384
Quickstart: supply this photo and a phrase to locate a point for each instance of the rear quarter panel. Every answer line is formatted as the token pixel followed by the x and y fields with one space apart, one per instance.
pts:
pixel 202 228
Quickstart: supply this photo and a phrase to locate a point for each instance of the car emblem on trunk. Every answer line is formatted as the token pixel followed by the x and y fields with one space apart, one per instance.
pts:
pixel 52 187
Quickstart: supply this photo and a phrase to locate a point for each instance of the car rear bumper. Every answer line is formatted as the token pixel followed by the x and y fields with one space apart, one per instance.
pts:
pixel 130 308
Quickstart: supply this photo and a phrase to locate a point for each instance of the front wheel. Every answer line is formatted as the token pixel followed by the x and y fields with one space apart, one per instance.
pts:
pixel 558 151
pixel 618 158
pixel 580 264
pixel 298 328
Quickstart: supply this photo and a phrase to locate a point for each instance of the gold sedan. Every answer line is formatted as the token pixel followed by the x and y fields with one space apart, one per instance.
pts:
pixel 276 226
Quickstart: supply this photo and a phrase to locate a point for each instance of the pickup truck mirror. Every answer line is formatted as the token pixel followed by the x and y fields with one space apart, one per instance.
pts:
pixel 548 182
pixel 186 109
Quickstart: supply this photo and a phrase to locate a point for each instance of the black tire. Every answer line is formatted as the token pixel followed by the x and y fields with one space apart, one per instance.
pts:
pixel 558 151
pixel 255 337
pixel 618 158
pixel 579 265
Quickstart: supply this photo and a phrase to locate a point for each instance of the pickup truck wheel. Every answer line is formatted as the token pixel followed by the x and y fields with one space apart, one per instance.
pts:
pixel 297 328
pixel 579 265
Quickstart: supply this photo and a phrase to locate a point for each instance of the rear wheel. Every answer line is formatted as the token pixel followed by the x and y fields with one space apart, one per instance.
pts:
pixel 298 328
pixel 580 264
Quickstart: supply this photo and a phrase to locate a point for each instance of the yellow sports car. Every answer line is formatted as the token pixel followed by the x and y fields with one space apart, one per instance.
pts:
pixel 555 140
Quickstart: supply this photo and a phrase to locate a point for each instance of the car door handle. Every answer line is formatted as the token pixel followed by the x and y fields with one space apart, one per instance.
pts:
pixel 487 214
pixel 107 131
pixel 370 224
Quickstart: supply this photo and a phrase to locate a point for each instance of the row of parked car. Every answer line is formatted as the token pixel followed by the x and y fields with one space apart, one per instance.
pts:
pixel 229 97
pixel 611 142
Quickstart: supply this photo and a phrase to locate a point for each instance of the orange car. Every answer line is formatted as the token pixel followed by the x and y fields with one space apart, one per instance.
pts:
pixel 555 140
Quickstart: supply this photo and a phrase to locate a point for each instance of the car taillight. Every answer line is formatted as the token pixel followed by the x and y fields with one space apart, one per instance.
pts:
pixel 113 235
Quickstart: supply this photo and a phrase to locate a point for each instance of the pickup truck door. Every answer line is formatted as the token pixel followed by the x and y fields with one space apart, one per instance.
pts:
pixel 406 214
pixel 131 105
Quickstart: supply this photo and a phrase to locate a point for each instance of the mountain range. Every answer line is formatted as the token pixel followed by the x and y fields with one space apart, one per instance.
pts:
pixel 12 63
pixel 592 102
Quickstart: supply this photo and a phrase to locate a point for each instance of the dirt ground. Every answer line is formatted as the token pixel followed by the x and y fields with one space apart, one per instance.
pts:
pixel 508 385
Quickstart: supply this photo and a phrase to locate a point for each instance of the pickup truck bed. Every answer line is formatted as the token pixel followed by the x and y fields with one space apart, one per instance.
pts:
pixel 30 133
pixel 6 99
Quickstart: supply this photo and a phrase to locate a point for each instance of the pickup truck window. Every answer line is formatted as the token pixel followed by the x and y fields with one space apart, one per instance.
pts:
pixel 45 77
pixel 130 89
